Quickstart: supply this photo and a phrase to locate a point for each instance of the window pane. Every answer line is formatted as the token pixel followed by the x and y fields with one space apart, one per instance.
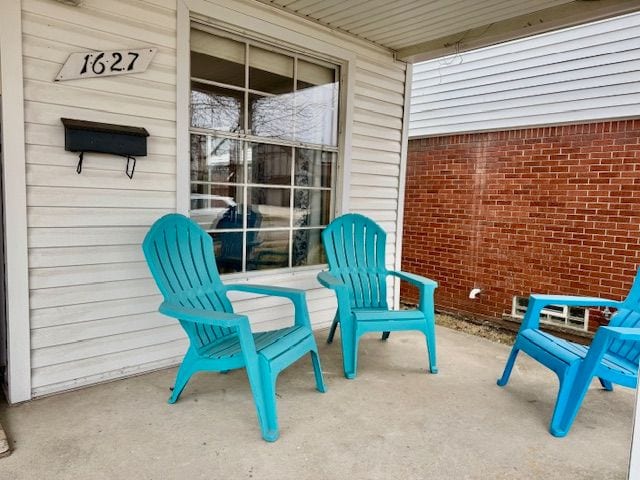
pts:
pixel 227 248
pixel 311 208
pixel 313 168
pixel 271 117
pixel 307 248
pixel 316 104
pixel 216 159
pixel 212 204
pixel 269 164
pixel 216 108
pixel 310 74
pixel 270 72
pixel 271 250
pixel 217 58
pixel 272 206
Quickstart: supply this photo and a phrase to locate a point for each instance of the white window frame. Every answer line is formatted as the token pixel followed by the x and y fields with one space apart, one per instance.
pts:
pixel 246 137
pixel 271 34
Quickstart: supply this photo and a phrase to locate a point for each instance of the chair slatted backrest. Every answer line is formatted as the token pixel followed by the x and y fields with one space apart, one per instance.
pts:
pixel 180 256
pixel 628 316
pixel 355 247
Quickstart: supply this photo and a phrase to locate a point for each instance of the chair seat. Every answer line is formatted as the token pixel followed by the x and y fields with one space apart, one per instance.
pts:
pixel 569 352
pixel 374 315
pixel 269 344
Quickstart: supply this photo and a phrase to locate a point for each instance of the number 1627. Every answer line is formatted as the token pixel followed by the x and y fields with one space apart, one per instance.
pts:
pixel 113 62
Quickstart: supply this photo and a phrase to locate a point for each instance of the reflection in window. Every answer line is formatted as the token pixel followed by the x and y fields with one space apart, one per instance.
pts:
pixel 217 59
pixel 311 208
pixel 272 250
pixel 210 203
pixel 273 204
pixel 269 164
pixel 307 248
pixel 263 152
pixel 270 72
pixel 216 159
pixel 271 116
pixel 313 167
pixel 315 114
pixel 216 108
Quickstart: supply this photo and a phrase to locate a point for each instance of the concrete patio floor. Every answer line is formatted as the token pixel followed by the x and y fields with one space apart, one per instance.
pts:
pixel 393 422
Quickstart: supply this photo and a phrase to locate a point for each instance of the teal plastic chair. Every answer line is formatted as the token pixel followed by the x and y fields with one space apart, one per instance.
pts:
pixel 612 357
pixel 180 256
pixel 355 247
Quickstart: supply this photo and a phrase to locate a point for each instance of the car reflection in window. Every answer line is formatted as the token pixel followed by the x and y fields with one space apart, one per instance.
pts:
pixel 208 210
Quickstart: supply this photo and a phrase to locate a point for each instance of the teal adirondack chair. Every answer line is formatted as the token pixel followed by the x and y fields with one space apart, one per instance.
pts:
pixel 355 248
pixel 180 256
pixel 612 357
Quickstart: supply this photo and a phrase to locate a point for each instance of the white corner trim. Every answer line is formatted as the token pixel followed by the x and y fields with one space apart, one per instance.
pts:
pixel 183 78
pixel 15 204
pixel 634 461
pixel 348 86
pixel 402 181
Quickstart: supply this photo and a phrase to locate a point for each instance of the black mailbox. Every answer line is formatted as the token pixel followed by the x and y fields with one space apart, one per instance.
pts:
pixel 83 136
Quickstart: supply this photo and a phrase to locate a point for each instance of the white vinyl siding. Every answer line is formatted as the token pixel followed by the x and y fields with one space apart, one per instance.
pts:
pixel 93 303
pixel 376 145
pixel 585 73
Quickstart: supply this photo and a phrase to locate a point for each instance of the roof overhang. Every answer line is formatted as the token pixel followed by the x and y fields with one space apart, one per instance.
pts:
pixel 549 19
pixel 418 30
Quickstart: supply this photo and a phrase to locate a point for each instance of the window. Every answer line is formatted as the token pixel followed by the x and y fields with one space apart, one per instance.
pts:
pixel 573 317
pixel 264 143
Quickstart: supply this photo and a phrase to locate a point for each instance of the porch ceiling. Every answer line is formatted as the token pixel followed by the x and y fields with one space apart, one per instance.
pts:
pixel 421 29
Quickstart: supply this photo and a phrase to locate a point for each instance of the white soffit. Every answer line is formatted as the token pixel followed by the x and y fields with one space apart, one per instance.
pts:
pixel 418 30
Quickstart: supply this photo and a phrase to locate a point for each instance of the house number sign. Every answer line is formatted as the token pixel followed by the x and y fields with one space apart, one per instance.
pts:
pixel 105 64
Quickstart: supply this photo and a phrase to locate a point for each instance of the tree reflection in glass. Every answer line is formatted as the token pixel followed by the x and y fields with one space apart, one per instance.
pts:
pixel 216 108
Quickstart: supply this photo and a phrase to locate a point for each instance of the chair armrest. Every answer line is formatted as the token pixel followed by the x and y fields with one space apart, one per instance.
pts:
pixel 205 317
pixel 290 293
pixel 414 279
pixel 570 300
pixel 426 287
pixel 538 302
pixel 329 281
pixel 622 333
pixel 297 297
pixel 342 294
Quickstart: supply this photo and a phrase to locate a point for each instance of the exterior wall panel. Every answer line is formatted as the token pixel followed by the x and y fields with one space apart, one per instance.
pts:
pixel 583 73
pixel 92 302
pixel 540 210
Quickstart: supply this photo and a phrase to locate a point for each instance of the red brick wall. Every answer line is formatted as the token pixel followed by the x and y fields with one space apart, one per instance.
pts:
pixel 545 210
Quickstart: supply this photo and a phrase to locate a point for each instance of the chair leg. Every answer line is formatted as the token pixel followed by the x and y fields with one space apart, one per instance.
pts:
pixel 185 372
pixel 385 335
pixel 350 355
pixel 317 371
pixel 502 381
pixel 606 384
pixel 270 431
pixel 573 389
pixel 430 333
pixel 255 381
pixel 332 331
